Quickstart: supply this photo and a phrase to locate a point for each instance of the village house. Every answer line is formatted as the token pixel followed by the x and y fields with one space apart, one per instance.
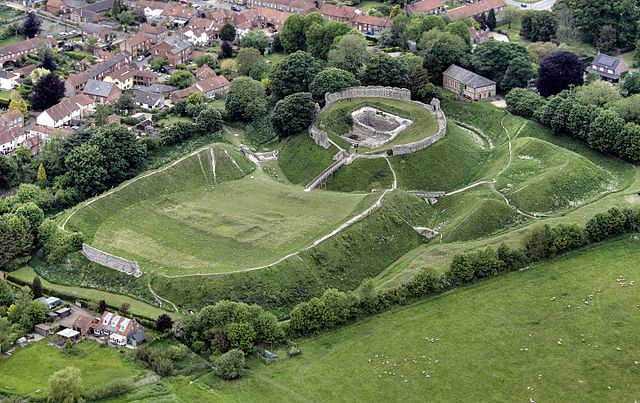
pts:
pixel 102 92
pixel 91 12
pixel 76 82
pixel 172 13
pixel 120 330
pixel 148 100
pixel 82 325
pixel 157 33
pixel 213 87
pixel 175 49
pixel 425 7
pixel 12 134
pixel 11 53
pixel 608 68
pixel 65 111
pixel 137 44
pixel 46 132
pixel 338 13
pixel 205 72
pixel 163 89
pixel 8 80
pixel 123 78
pixel 64 6
pixel 367 24
pixel 290 6
pixel 468 84
pixel 100 32
pixel 474 10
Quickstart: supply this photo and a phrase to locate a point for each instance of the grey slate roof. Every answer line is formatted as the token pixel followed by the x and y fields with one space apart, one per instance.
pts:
pixel 466 77
pixel 98 88
pixel 157 88
pixel 177 44
pixel 106 65
pixel 608 62
pixel 147 98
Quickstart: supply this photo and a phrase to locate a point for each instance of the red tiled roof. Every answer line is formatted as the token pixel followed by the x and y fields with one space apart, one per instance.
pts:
pixel 205 72
pixel 372 21
pixel 470 10
pixel 212 84
pixel 342 12
pixel 425 6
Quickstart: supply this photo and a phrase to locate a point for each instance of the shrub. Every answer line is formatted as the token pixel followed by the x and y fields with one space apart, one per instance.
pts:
pixel 523 102
pixel 538 244
pixel 426 282
pixel 104 391
pixel 229 365
pixel 606 225
pixel 460 271
pixel 294 351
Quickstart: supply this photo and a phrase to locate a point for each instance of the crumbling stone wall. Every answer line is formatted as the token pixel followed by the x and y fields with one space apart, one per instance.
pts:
pixel 111 261
pixel 401 94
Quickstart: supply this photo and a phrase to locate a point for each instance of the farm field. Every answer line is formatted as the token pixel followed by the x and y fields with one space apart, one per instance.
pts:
pixel 29 368
pixel 424 122
pixel 567 327
pixel 209 225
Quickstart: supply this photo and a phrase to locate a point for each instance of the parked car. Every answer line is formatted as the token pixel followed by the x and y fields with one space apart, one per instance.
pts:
pixel 140 58
pixel 523 5
pixel 236 8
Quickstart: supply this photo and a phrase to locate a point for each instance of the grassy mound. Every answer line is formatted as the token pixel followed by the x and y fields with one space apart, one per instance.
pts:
pixel 333 123
pixel 544 178
pixel 185 220
pixel 547 348
pixel 301 159
pixel 453 162
pixel 362 175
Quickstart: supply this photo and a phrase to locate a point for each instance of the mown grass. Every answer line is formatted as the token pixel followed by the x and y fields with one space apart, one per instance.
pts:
pixel 189 221
pixel 446 165
pixel 424 123
pixel 29 368
pixel 363 175
pixel 525 335
pixel 301 159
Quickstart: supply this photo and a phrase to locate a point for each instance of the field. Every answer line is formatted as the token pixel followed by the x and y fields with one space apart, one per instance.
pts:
pixel 185 220
pixel 29 368
pixel 424 122
pixel 566 328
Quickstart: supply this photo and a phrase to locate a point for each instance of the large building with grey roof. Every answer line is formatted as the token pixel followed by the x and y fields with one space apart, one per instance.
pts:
pixel 468 84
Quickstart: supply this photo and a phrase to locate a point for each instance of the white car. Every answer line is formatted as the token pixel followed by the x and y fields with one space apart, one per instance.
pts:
pixel 140 58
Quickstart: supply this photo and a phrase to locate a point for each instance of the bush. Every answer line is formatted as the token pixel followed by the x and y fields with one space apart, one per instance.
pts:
pixel 607 225
pixel 294 351
pixel 523 102
pixel 229 365
pixel 426 282
pixel 115 388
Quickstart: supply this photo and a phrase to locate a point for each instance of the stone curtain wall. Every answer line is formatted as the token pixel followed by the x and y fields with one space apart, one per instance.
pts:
pixel 424 143
pixel 401 94
pixel 111 261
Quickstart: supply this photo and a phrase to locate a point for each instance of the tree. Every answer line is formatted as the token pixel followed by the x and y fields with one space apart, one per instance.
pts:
pixel 125 103
pixel 20 104
pixel 126 18
pixel 331 80
pixel 636 55
pixel 116 8
pixel 196 98
pixel 441 51
pixel 103 111
pixel 383 69
pixel 540 50
pixel 491 19
pixel 86 172
pixel 47 62
pixel 256 40
pixel 320 37
pixel 293 36
pixel 102 306
pixel 181 79
pixel 628 108
pixel 294 74
pixel 124 308
pixel 523 102
pixel 246 59
pixel 7 334
pixel 349 53
pixel 156 63
pixel 36 287
pixel 228 33
pixel 47 92
pixel 65 386
pixel 597 93
pixel 229 365
pixel 294 113
pixel 509 16
pixel 209 120
pixel 607 39
pixel 421 23
pixel 246 100
pixel 31 25
pixel 16 241
pixel 8 172
pixel 460 28
pixel 395 35
pixel 34 313
pixel 226 49
pixel 538 26
pixel 208 60
pixel 491 59
pixel 125 155
pixel 517 75
pixel 164 323
pixel 559 71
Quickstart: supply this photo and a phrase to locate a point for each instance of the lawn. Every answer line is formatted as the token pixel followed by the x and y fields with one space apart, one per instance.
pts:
pixel 561 331
pixel 189 221
pixel 275 58
pixel 367 5
pixel 137 307
pixel 424 122
pixel 29 368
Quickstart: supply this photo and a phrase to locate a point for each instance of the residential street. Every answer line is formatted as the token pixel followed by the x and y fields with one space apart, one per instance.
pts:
pixel 541 5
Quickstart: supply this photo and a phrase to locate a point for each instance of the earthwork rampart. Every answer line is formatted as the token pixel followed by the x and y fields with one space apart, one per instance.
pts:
pixel 111 261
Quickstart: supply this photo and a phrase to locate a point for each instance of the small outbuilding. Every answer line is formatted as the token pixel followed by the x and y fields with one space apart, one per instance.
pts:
pixel 69 334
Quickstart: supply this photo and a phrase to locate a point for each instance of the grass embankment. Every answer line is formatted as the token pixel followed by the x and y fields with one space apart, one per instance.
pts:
pixel 301 159
pixel 363 175
pixel 187 221
pixel 524 335
pixel 29 368
pixel 424 123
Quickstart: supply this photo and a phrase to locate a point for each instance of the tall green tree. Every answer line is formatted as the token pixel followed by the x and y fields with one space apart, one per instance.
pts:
pixel 491 19
pixel 293 35
pixel 85 169
pixel 36 287
pixel 349 53
pixel 228 33
pixel 246 59
pixel 246 100
pixel 331 80
pixel 294 74
pixel 256 40
pixel 518 73
pixel 65 386
pixel 383 69
pixel 491 59
pixel 441 51
pixel 320 37
pixel 558 72
pixel 294 113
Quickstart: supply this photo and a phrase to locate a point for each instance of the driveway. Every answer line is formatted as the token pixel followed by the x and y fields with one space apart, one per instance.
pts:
pixel 541 5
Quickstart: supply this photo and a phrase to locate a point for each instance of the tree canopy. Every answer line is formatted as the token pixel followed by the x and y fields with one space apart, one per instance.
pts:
pixel 294 74
pixel 294 113
pixel 559 71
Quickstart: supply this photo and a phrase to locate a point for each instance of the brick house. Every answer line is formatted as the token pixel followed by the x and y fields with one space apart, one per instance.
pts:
pixel 11 53
pixel 68 109
pixel 473 10
pixel 111 324
pixel 175 49
pixel 290 6
pixel 468 84
pixel 157 33
pixel 137 44
pixel 426 7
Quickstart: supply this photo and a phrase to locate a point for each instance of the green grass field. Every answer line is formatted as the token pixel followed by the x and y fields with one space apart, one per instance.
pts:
pixel 424 122
pixel 301 159
pixel 362 175
pixel 185 221
pixel 29 368
pixel 525 335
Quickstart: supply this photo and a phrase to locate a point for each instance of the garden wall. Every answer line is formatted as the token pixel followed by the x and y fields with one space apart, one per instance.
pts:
pixel 111 261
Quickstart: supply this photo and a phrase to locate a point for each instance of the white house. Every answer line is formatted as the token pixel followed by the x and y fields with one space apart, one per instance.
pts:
pixel 8 80
pixel 12 133
pixel 65 111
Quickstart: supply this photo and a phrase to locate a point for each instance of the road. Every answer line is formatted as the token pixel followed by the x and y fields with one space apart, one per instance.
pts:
pixel 541 5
